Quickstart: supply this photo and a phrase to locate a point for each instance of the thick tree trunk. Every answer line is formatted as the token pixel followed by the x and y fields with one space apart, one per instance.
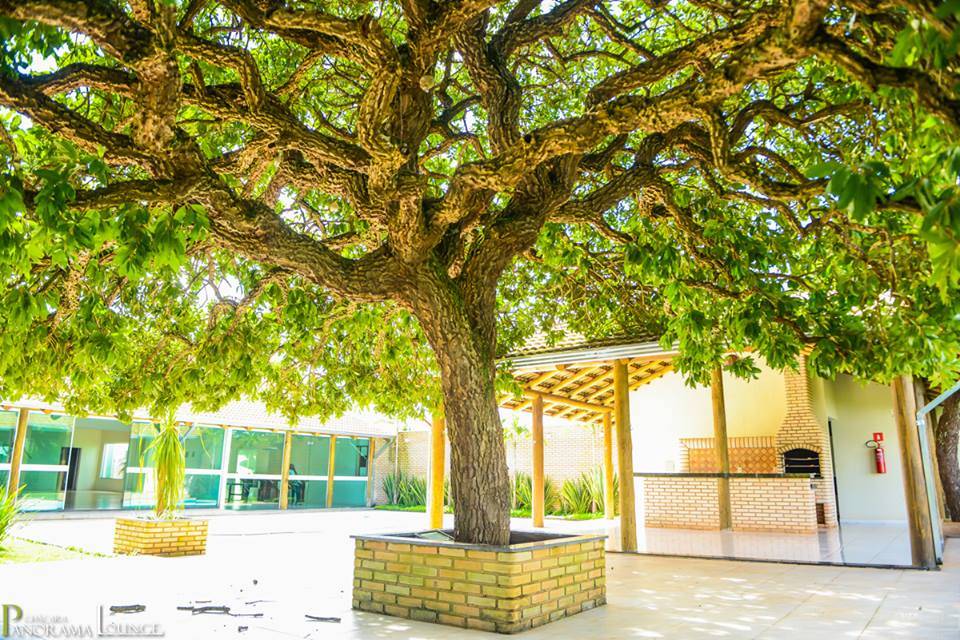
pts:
pixel 947 436
pixel 461 334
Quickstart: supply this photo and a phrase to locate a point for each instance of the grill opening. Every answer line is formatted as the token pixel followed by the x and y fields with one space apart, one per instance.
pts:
pixel 801 461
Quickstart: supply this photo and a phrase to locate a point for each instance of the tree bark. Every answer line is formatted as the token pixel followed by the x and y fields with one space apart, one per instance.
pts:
pixel 461 330
pixel 947 436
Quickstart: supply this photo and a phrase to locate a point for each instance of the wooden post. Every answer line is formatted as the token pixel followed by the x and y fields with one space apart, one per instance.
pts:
pixel 437 464
pixel 920 393
pixel 537 507
pixel 285 469
pixel 609 508
pixel 16 457
pixel 922 550
pixel 371 454
pixel 331 466
pixel 720 446
pixel 621 410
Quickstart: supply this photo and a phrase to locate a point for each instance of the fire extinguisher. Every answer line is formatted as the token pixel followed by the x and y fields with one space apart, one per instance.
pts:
pixel 879 458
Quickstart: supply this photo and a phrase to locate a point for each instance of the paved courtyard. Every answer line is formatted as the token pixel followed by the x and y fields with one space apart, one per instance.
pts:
pixel 287 566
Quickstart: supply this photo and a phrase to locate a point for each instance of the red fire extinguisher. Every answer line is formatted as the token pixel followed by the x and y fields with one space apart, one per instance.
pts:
pixel 879 458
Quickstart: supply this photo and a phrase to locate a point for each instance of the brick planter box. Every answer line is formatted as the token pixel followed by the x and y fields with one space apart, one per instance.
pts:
pixel 538 578
pixel 142 536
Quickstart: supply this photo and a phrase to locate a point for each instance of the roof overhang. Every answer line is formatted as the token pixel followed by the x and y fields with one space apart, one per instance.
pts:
pixel 631 351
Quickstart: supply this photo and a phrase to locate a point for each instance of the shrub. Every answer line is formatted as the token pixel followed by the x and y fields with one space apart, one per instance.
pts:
pixel 9 513
pixel 585 494
pixel 405 490
pixel 523 494
pixel 170 465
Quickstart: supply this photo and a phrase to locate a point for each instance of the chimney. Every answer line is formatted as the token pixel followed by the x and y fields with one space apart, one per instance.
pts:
pixel 801 430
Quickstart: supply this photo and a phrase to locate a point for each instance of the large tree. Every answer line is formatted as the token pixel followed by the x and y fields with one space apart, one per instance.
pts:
pixel 291 199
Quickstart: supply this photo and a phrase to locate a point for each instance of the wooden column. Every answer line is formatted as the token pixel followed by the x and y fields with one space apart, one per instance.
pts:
pixel 437 468
pixel 920 388
pixel 609 508
pixel 537 507
pixel 371 481
pixel 720 446
pixel 331 466
pixel 918 512
pixel 621 411
pixel 16 456
pixel 285 469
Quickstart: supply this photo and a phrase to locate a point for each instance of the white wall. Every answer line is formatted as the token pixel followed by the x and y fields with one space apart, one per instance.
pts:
pixel 856 410
pixel 666 410
pixel 88 442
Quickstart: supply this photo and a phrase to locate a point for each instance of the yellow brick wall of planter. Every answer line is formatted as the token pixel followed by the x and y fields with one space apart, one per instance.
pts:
pixel 134 536
pixel 502 591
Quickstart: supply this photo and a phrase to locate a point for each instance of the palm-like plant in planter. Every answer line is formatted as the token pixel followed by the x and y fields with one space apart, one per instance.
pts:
pixel 170 467
pixel 168 532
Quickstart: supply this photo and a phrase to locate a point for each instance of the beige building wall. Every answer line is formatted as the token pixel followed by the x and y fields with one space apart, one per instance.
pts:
pixel 667 409
pixel 855 410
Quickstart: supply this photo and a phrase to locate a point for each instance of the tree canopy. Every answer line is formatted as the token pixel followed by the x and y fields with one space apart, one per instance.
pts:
pixel 321 203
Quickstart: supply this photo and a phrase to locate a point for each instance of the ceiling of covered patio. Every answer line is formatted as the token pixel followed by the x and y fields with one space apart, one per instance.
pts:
pixel 581 391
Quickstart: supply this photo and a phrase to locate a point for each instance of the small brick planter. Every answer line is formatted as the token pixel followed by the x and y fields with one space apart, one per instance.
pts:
pixel 143 536
pixel 539 578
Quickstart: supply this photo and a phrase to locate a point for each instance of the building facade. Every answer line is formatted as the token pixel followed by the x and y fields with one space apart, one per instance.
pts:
pixel 235 459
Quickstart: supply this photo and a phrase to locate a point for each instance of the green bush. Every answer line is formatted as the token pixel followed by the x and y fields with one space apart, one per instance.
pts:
pixel 585 494
pixel 405 490
pixel 9 512
pixel 170 466
pixel 523 494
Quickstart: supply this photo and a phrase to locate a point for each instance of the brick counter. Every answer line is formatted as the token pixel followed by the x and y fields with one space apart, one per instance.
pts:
pixel 758 502
pixel 781 504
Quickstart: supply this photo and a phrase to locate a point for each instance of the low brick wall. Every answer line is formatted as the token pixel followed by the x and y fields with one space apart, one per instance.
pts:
pixel 140 536
pixel 503 589
pixel 766 503
pixel 773 504
pixel 679 502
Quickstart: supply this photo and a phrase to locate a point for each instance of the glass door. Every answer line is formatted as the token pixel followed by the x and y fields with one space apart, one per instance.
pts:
pixel 253 475
pixel 48 456
pixel 309 466
pixel 8 427
pixel 203 452
pixel 98 459
pixel 350 472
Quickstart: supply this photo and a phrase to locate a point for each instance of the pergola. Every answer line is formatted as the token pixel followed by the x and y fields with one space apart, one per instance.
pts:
pixel 588 383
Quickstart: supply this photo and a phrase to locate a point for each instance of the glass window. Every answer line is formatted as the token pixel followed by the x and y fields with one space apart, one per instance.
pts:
pixel 8 427
pixel 138 490
pixel 203 447
pixel 256 452
pixel 307 494
pixel 48 439
pixel 351 458
pixel 247 493
pixel 200 491
pixel 141 437
pixel 4 476
pixel 42 490
pixel 113 461
pixel 349 493
pixel 309 455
